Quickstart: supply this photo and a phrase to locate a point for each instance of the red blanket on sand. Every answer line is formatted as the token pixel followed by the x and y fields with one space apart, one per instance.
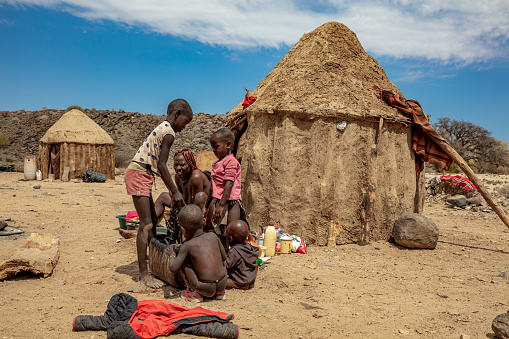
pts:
pixel 426 149
pixel 460 181
pixel 158 317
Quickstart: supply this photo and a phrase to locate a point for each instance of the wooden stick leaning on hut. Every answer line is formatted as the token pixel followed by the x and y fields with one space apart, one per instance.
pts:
pixel 369 195
pixel 412 108
pixel 470 174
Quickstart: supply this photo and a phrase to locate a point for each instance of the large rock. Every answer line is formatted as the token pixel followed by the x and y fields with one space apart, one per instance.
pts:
pixel 500 326
pixel 415 231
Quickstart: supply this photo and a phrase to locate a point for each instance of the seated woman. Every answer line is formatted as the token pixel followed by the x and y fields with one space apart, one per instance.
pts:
pixel 194 186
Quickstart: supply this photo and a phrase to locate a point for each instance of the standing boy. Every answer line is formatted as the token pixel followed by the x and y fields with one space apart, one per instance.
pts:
pixel 151 159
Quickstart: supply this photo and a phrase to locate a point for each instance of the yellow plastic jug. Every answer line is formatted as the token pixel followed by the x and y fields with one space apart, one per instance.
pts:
pixel 269 241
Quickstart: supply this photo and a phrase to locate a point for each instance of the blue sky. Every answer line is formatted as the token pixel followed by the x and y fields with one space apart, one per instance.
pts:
pixel 451 56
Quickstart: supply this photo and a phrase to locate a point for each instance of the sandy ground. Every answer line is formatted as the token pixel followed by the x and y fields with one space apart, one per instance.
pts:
pixel 377 291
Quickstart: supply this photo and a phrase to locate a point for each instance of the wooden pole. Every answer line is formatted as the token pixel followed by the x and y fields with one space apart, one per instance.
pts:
pixel 470 174
pixel 369 195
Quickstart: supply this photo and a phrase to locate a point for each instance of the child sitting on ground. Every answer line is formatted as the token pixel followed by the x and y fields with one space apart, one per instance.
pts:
pixel 200 259
pixel 241 258
pixel 225 180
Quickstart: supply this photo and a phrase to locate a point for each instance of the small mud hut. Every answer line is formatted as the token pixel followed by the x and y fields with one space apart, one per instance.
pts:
pixel 77 142
pixel 321 154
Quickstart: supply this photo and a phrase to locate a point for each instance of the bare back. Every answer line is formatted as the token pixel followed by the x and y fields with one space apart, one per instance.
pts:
pixel 207 255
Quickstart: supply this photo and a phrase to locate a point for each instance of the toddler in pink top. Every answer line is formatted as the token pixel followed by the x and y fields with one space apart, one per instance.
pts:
pixel 225 188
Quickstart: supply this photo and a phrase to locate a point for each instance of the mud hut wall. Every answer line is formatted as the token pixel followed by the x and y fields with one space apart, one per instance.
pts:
pixel 302 174
pixel 79 158
pixel 44 155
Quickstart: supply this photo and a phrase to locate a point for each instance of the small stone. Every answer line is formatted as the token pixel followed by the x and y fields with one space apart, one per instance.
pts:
pixel 475 201
pixel 453 313
pixel 464 336
pixel 37 187
pixel 505 275
pixel 118 240
pixel 404 331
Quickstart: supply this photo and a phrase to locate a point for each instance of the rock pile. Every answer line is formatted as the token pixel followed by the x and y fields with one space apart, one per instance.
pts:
pixel 128 130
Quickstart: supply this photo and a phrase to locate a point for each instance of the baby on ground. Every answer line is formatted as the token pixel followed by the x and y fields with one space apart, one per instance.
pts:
pixel 241 258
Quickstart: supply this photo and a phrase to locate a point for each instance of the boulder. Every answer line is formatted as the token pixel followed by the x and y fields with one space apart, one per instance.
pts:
pixel 457 200
pixel 500 326
pixel 415 231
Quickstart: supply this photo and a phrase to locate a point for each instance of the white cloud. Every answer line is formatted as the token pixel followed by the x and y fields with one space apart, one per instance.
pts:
pixel 461 31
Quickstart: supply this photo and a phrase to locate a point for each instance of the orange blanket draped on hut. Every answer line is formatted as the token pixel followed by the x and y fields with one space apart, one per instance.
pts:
pixel 425 148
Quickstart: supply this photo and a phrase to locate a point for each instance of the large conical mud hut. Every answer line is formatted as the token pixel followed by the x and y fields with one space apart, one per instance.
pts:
pixel 321 154
pixel 77 142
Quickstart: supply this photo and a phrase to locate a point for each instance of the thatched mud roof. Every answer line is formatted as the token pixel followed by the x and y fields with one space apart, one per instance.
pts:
pixel 326 72
pixel 75 127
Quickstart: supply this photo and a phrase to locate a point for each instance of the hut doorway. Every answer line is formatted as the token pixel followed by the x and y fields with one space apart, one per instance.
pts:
pixel 54 161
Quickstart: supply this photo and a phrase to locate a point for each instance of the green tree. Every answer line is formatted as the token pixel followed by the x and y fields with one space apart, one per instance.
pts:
pixel 475 145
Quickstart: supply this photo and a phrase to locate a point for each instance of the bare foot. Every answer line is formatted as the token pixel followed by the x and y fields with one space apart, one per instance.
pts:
pixel 151 282
pixel 128 234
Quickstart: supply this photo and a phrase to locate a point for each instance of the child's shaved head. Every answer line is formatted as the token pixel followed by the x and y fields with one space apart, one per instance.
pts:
pixel 224 134
pixel 180 105
pixel 238 230
pixel 191 217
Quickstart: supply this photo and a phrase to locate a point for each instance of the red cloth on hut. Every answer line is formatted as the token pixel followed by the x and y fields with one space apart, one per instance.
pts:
pixel 425 148
pixel 248 100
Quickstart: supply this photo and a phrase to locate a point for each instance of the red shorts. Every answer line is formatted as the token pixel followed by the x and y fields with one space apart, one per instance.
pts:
pixel 138 183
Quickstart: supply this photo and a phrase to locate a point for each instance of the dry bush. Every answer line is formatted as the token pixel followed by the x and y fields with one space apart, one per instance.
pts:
pixel 453 189
pixel 123 160
pixel 504 190
pixel 502 170
pixel 4 140
pixel 79 108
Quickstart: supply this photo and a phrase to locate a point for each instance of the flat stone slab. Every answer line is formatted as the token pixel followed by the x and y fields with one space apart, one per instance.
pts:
pixel 39 255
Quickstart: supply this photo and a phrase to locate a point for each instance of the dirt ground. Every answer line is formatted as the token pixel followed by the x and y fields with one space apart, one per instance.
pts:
pixel 377 291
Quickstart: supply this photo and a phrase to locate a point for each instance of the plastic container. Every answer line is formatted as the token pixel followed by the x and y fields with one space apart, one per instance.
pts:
pixel 30 167
pixel 286 244
pixel 260 241
pixel 263 250
pixel 269 240
pixel 121 221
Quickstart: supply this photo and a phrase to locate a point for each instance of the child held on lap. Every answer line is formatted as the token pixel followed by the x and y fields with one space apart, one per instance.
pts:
pixel 200 259
pixel 151 159
pixel 225 179
pixel 241 258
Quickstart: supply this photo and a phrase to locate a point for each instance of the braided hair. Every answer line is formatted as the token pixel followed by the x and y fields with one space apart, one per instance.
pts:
pixel 188 157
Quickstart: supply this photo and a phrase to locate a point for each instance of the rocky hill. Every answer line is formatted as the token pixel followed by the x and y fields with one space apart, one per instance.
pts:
pixel 128 129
